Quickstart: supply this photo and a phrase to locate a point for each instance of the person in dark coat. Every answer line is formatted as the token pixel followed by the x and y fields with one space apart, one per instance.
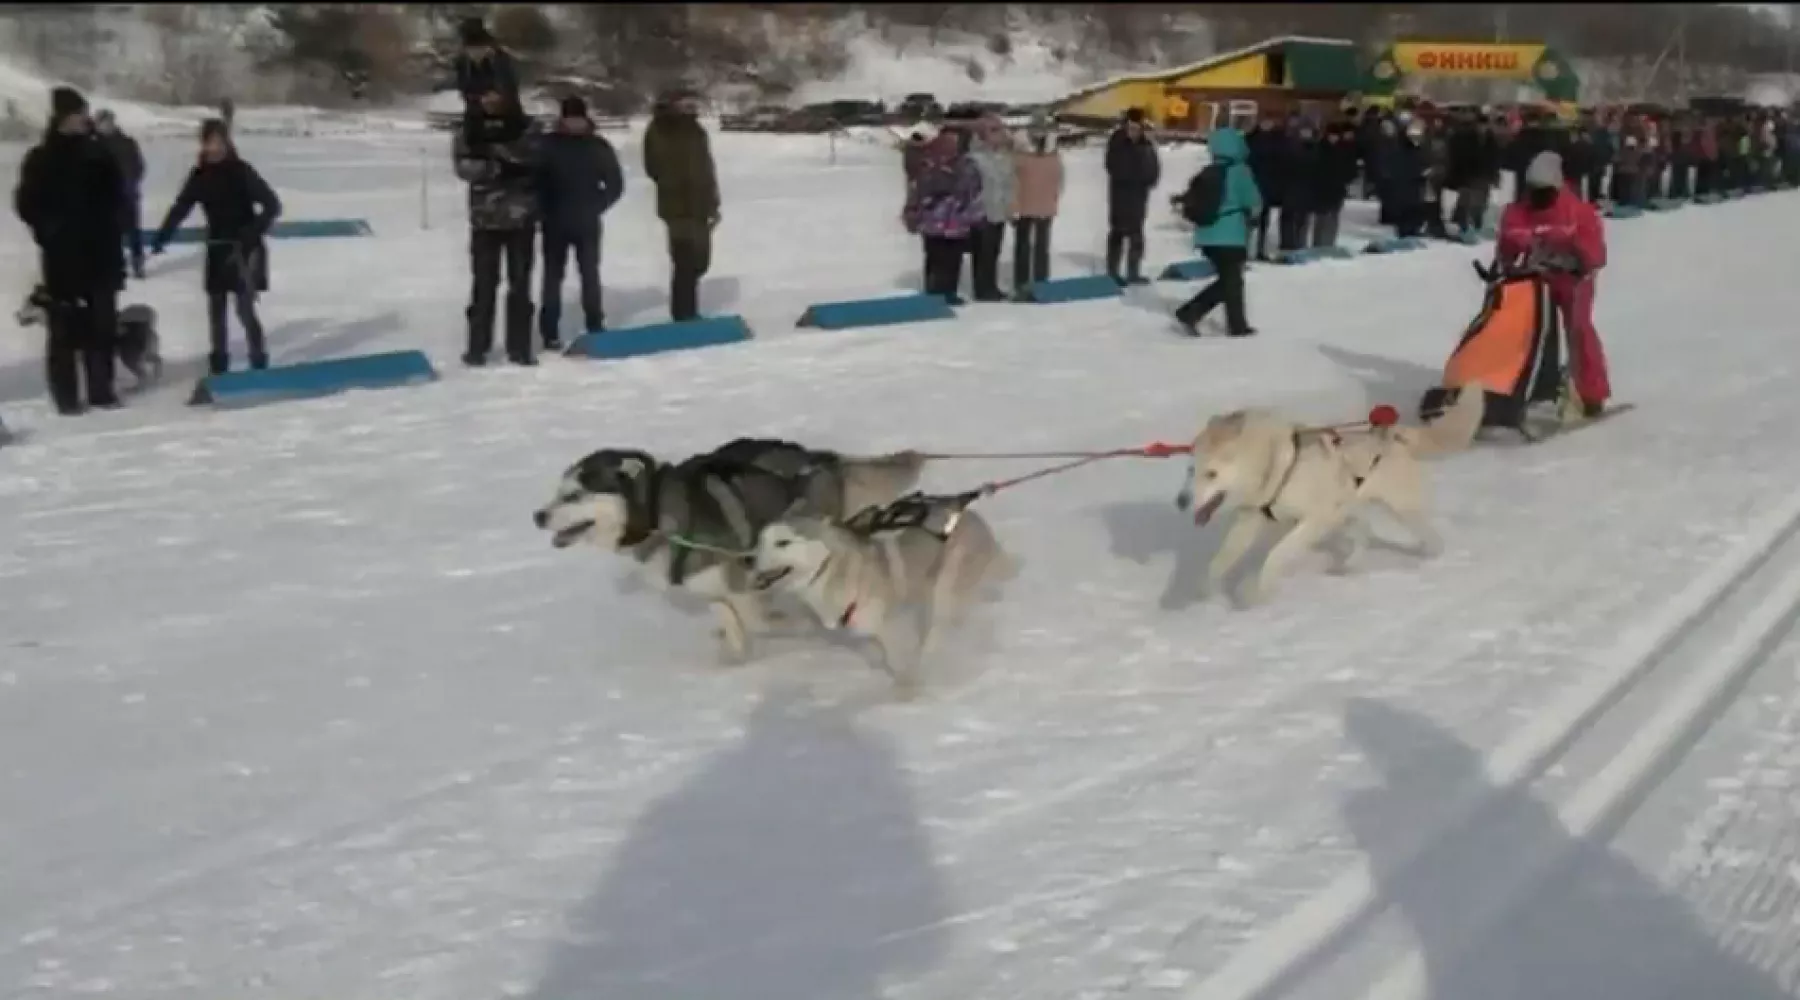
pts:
pixel 1273 160
pixel 497 156
pixel 130 157
pixel 1132 170
pixel 1329 169
pixel 240 207
pixel 484 66
pixel 1473 171
pixel 1403 182
pixel 678 158
pixel 71 196
pixel 578 180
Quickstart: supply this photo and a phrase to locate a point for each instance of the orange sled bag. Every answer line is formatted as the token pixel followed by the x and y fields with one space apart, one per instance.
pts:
pixel 1512 348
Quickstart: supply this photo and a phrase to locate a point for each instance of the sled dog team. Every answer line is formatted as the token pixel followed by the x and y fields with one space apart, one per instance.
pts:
pixel 849 539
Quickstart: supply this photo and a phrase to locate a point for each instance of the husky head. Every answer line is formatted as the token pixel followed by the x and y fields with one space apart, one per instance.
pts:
pixel 597 498
pixel 792 551
pixel 1233 460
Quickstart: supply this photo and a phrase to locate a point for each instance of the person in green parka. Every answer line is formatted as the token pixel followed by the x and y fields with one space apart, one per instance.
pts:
pixel 679 160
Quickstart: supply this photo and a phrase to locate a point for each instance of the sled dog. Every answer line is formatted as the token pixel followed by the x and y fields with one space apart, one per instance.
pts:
pixel 694 523
pixel 898 585
pixel 1269 470
pixel 139 346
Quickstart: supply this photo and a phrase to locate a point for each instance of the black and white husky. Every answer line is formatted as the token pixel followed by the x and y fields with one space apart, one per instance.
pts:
pixel 694 524
pixel 139 346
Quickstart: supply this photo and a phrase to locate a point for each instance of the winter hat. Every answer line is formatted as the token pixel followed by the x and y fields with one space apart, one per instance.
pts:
pixel 1545 171
pixel 1135 115
pixel 474 32
pixel 215 127
pixel 574 107
pixel 66 101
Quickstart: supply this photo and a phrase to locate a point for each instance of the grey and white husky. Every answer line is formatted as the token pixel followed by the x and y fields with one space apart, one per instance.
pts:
pixel 899 586
pixel 694 524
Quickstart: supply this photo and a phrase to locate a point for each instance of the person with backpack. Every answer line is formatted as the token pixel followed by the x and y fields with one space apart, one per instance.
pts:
pixel 1220 202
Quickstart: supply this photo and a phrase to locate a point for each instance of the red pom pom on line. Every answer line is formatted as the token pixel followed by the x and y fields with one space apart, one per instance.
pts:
pixel 1162 449
pixel 1383 416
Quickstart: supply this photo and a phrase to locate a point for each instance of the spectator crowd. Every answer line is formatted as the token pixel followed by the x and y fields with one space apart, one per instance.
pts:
pixel 1278 187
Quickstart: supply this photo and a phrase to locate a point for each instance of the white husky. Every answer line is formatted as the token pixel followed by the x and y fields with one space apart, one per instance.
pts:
pixel 867 582
pixel 1270 471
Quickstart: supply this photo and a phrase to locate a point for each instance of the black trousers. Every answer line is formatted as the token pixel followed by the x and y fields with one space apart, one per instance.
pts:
pixel 943 265
pixel 690 257
pixel 134 227
pixel 81 335
pixel 558 245
pixel 1596 185
pixel 1291 229
pixel 1031 252
pixel 1227 288
pixel 985 241
pixel 1126 244
pixel 488 249
pixel 245 300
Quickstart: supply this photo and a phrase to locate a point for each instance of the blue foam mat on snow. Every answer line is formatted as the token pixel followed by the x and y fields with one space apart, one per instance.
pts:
pixel 1197 269
pixel 284 229
pixel 887 311
pixel 311 379
pixel 659 338
pixel 1394 244
pixel 1081 289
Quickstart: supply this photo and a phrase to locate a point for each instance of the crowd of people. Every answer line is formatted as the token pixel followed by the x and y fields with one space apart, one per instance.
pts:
pixel 80 195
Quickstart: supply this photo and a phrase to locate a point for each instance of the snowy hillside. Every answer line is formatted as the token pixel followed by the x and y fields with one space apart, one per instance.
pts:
pixel 295 702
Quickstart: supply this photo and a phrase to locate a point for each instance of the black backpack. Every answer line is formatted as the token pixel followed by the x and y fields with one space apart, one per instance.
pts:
pixel 1205 195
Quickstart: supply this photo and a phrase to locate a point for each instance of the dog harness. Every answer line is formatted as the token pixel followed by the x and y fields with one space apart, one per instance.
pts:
pixel 912 511
pixel 1329 438
pixel 849 609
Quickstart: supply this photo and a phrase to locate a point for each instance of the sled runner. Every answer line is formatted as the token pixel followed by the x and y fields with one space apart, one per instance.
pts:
pixel 1513 349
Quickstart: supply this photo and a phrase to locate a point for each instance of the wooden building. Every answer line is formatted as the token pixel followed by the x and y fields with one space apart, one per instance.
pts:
pixel 1282 75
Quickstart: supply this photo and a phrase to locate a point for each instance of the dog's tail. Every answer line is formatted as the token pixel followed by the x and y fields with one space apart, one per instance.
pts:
pixel 1452 430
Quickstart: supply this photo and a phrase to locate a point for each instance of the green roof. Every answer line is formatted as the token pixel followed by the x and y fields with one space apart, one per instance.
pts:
pixel 1329 68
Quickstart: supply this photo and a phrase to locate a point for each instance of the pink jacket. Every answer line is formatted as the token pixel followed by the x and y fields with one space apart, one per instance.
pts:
pixel 1040 184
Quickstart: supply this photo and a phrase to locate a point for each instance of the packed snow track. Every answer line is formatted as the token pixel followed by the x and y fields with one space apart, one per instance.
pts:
pixel 296 702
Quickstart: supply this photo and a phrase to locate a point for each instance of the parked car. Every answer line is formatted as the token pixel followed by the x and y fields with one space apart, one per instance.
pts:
pixel 827 116
pixel 919 107
pixel 762 118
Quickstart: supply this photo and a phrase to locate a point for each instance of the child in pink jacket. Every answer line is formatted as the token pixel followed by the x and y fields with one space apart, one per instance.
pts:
pixel 1039 172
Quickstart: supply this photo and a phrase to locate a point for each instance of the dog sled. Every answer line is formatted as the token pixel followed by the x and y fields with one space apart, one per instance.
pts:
pixel 1513 349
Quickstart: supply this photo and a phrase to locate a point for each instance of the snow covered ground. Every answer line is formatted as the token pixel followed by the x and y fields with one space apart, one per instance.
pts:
pixel 295 702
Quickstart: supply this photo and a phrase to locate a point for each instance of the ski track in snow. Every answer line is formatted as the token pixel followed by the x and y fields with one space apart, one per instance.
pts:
pixel 295 702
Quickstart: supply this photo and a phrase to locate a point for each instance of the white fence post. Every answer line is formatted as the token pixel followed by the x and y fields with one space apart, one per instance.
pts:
pixel 424 191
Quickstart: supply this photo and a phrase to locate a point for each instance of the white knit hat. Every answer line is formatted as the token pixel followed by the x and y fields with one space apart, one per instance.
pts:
pixel 1545 171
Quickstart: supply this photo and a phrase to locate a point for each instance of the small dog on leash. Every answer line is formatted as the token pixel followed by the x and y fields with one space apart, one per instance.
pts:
pixel 139 347
pixel 1319 483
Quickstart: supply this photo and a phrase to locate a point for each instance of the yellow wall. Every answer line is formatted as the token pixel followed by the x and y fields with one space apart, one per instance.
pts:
pixel 1114 100
pixel 1250 71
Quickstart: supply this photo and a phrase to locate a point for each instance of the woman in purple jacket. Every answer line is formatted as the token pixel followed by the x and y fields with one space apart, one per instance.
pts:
pixel 943 206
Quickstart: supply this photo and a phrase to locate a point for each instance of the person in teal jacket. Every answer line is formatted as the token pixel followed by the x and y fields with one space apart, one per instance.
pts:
pixel 1226 242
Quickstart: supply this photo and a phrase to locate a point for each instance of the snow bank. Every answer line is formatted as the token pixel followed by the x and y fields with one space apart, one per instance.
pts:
pixel 30 94
pixel 1028 74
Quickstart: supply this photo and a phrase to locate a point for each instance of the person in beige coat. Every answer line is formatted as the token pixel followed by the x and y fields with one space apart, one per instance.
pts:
pixel 1039 187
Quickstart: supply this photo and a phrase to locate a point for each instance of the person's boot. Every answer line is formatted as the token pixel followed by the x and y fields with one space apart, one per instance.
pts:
pixel 1188 319
pixel 218 364
pixel 258 362
pixel 137 267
